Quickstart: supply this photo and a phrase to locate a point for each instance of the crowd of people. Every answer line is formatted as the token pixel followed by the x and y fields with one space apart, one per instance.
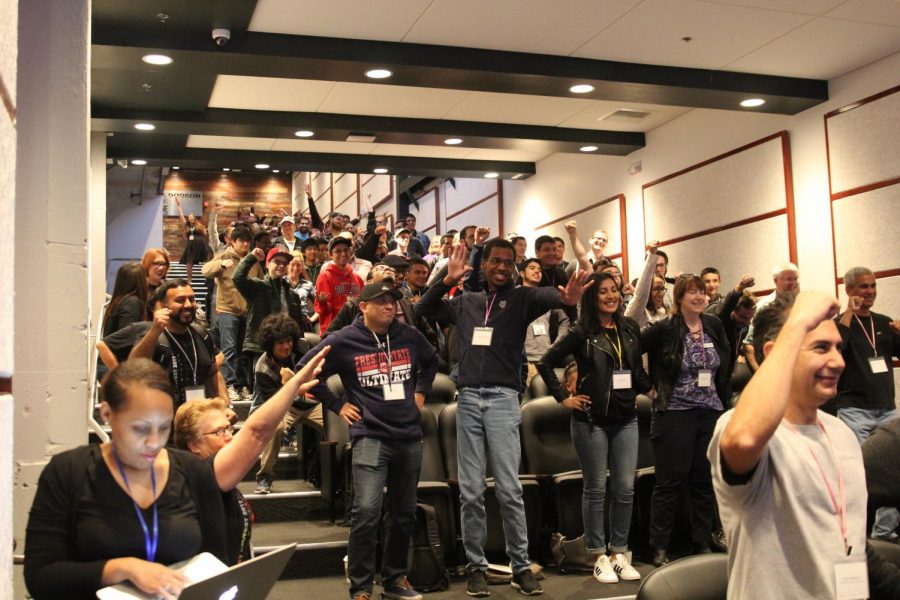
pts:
pixel 772 477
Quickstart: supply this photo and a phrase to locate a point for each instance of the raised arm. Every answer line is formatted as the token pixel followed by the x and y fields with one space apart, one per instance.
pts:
pixel 234 460
pixel 636 309
pixel 147 344
pixel 577 247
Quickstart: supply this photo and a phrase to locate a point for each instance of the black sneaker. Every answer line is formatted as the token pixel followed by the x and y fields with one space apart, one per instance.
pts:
pixel 263 485
pixel 525 582
pixel 477 583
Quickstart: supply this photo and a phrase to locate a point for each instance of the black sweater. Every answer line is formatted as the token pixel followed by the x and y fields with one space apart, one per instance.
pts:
pixel 362 367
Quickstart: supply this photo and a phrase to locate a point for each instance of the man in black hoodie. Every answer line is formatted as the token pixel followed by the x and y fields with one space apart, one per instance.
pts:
pixel 387 368
pixel 492 326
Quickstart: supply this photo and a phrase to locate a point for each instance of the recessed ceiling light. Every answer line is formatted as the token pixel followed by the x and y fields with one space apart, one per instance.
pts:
pixel 380 170
pixel 751 102
pixel 261 166
pixel 176 168
pixel 378 73
pixel 157 59
pixel 276 171
pixel 144 126
pixel 581 88
pixel 588 148
pixel 304 133
pixel 452 141
pixel 492 175
pixel 225 169
pixel 139 162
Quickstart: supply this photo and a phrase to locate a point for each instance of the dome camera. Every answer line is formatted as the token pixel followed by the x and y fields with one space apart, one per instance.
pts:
pixel 221 36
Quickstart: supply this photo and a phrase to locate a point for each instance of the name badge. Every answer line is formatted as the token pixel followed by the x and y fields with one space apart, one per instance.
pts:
pixel 481 336
pixel 851 580
pixel 394 391
pixel 622 380
pixel 191 237
pixel 539 329
pixel 878 364
pixel 194 392
pixel 704 378
pixel 708 345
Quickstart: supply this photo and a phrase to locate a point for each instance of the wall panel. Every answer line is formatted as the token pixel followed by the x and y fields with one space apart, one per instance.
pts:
pixel 466 192
pixel 481 213
pixel 345 196
pixel 426 213
pixel 867 230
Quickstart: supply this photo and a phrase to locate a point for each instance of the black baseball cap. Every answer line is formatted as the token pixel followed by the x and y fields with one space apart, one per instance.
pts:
pixel 339 240
pixel 374 290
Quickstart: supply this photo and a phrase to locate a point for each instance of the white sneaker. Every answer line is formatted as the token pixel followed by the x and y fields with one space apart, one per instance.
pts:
pixel 603 570
pixel 233 394
pixel 624 569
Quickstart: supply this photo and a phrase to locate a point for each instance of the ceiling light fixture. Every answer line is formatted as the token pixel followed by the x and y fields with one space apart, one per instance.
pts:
pixel 139 162
pixel 752 102
pixel 276 171
pixel 226 169
pixel 380 170
pixel 378 73
pixel 491 175
pixel 581 88
pixel 588 148
pixel 304 133
pixel 157 59
pixel 144 126
pixel 261 166
pixel 452 141
pixel 175 168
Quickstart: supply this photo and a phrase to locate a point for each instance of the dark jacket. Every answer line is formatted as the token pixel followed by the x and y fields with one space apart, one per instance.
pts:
pixel 663 342
pixel 263 299
pixel 350 311
pixel 723 309
pixel 596 359
pixel 361 365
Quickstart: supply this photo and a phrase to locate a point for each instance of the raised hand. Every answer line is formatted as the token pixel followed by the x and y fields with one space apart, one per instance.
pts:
pixel 811 308
pixel 653 246
pixel 161 318
pixel 747 281
pixel 854 304
pixel 456 265
pixel 571 226
pixel 258 254
pixel 575 288
pixel 482 234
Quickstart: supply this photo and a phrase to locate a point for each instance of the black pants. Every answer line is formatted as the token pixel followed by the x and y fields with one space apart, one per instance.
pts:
pixel 680 439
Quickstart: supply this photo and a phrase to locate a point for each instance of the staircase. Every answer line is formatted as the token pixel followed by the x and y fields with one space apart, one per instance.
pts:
pixel 198 282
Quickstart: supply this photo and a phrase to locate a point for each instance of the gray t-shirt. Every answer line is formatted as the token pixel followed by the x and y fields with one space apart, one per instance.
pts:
pixel 784 535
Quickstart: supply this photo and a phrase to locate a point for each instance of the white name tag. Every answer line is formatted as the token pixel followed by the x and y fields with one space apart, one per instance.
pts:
pixel 539 329
pixel 481 336
pixel 622 380
pixel 191 238
pixel 195 392
pixel 394 391
pixel 704 378
pixel 851 580
pixel 878 364
pixel 708 345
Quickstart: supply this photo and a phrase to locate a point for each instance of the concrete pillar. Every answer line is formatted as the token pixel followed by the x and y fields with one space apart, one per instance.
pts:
pixel 51 228
pixel 97 232
pixel 8 136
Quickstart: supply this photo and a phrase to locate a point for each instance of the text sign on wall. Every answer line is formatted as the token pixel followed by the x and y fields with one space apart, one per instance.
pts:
pixel 191 202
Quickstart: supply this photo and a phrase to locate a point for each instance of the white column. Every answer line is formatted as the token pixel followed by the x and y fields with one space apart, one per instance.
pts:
pixel 299 180
pixel 97 232
pixel 51 228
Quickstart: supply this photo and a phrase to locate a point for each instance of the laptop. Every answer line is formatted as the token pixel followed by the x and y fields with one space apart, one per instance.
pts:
pixel 211 580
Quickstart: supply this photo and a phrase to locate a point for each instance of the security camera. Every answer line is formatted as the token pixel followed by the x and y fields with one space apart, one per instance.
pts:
pixel 122 163
pixel 221 36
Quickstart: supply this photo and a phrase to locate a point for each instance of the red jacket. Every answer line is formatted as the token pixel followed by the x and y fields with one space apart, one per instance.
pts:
pixel 337 284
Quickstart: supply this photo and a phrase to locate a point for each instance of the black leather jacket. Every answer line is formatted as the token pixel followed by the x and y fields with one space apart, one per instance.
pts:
pixel 596 359
pixel 664 343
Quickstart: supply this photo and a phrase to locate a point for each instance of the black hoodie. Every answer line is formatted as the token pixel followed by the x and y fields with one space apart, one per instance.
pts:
pixel 361 364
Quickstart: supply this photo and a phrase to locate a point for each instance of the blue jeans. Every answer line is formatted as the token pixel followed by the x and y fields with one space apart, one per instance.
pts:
pixel 376 463
pixel 487 420
pixel 863 421
pixel 231 336
pixel 598 446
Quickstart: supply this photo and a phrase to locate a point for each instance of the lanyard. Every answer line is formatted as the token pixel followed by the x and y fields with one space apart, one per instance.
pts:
pixel 387 355
pixel 871 340
pixel 839 509
pixel 150 541
pixel 487 308
pixel 702 346
pixel 193 365
pixel 617 347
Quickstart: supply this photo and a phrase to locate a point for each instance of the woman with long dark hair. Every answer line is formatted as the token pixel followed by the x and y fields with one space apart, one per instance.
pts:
pixel 196 249
pixel 610 374
pixel 129 298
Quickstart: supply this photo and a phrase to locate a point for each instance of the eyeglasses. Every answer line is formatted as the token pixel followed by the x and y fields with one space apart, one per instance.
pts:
pixel 659 289
pixel 601 239
pixel 280 263
pixel 159 264
pixel 494 261
pixel 221 431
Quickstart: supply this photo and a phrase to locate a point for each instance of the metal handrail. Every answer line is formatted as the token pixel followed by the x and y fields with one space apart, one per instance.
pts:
pixel 93 424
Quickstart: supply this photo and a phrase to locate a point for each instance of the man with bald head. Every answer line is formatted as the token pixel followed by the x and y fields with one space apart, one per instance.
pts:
pixel 786 277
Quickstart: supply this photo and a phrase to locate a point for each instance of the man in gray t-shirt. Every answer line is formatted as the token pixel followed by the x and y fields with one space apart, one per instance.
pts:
pixel 789 478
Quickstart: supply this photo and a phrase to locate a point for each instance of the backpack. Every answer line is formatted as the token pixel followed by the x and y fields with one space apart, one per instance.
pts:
pixel 427 565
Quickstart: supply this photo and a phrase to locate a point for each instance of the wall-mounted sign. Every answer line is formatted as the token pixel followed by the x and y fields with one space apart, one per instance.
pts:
pixel 191 202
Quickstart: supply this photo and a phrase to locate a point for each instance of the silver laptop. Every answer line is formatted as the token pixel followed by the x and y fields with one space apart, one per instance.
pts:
pixel 250 580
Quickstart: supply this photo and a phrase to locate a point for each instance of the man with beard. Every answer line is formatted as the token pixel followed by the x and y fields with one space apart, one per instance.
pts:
pixel 303 233
pixel 183 348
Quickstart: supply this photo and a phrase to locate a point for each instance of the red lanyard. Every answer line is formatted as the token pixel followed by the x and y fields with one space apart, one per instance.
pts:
pixel 839 509
pixel 871 340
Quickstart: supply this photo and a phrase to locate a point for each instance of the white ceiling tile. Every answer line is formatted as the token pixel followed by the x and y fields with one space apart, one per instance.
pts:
pixel 652 33
pixel 822 49
pixel 590 118
pixel 541 26
pixel 511 155
pixel 807 7
pixel 880 12
pixel 423 151
pixel 284 145
pixel 227 142
pixel 391 100
pixel 268 93
pixel 516 108
pixel 386 20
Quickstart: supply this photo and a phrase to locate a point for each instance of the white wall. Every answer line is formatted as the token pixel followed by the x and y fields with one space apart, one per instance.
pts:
pixel 134 227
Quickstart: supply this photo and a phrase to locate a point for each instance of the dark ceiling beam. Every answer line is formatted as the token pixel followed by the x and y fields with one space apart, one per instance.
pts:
pixel 422 65
pixel 389 130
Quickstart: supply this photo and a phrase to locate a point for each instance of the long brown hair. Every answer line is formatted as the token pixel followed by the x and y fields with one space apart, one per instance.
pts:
pixel 131 280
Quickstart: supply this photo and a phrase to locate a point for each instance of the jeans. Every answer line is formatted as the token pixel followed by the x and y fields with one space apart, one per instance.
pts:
pixel 598 446
pixel 863 421
pixel 680 439
pixel 487 420
pixel 376 463
pixel 311 416
pixel 235 369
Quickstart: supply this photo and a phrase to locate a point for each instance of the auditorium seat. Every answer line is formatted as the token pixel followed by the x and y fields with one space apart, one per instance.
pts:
pixel 433 488
pixel 335 453
pixel 698 577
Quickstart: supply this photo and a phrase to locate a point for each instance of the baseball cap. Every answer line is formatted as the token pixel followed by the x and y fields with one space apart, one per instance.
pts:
pixel 338 239
pixel 287 219
pixel 278 251
pixel 374 290
pixel 402 230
